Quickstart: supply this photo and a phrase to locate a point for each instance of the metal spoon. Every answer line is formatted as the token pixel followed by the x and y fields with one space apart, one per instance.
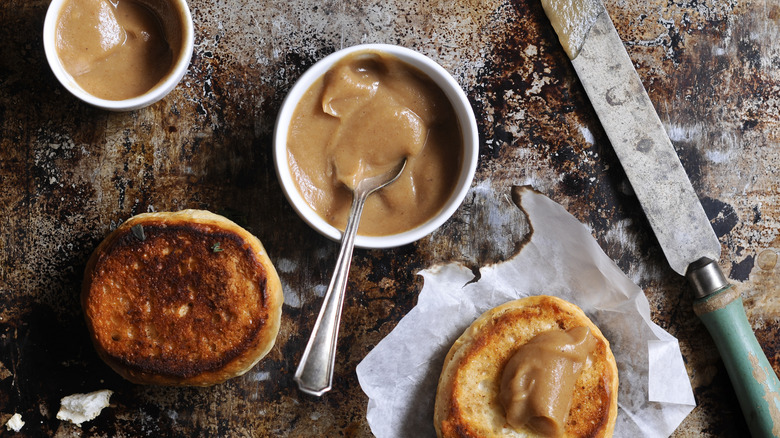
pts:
pixel 315 372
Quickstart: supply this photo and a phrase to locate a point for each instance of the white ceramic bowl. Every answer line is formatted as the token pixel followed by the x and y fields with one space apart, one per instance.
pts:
pixel 463 111
pixel 179 18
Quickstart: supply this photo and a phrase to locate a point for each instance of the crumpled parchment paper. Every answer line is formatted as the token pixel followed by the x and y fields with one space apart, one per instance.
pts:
pixel 561 258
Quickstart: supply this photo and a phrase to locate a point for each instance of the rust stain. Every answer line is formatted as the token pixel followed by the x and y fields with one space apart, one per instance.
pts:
pixel 767 260
pixel 771 398
pixel 715 302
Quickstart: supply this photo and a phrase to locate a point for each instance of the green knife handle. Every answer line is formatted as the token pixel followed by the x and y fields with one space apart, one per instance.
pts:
pixel 753 378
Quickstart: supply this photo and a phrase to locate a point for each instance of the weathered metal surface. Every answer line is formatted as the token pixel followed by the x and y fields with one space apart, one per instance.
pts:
pixel 70 173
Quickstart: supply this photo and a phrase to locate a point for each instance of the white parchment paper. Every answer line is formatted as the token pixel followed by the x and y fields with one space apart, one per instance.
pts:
pixel 401 373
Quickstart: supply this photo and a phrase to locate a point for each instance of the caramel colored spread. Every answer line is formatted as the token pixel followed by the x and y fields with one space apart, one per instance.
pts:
pixel 361 119
pixel 538 381
pixel 572 19
pixel 113 49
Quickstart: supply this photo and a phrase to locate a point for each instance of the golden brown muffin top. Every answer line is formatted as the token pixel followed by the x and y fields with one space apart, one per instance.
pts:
pixel 467 402
pixel 176 298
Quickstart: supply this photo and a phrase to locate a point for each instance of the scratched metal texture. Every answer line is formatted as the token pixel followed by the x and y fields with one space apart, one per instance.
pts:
pixel 70 173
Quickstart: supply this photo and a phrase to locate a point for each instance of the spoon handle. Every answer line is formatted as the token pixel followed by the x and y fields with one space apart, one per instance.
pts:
pixel 315 371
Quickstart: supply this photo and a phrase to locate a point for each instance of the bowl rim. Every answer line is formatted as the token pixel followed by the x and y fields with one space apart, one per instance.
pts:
pixel 466 120
pixel 156 93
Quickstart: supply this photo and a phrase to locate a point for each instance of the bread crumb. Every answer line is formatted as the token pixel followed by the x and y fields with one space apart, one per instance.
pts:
pixel 78 408
pixel 14 423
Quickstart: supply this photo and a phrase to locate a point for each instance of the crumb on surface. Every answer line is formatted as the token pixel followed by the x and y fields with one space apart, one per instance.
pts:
pixel 14 423
pixel 78 408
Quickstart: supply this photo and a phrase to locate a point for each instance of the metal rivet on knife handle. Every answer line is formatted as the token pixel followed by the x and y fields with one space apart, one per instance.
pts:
pixel 706 277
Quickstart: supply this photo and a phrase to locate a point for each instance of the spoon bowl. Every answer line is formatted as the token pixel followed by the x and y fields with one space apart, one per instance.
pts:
pixel 315 371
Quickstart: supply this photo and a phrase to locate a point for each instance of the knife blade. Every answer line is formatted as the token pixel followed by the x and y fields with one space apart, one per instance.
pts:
pixel 669 202
pixel 644 149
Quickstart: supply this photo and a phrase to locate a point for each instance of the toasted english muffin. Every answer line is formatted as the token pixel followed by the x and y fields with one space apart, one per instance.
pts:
pixel 183 298
pixel 467 401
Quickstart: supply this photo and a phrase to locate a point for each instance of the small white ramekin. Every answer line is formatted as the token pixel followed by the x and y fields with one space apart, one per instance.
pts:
pixel 463 111
pixel 179 68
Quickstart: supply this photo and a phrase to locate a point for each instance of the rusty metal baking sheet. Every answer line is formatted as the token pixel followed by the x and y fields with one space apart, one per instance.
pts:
pixel 70 173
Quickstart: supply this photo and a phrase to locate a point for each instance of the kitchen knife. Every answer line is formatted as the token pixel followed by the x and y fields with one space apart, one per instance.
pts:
pixel 667 197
